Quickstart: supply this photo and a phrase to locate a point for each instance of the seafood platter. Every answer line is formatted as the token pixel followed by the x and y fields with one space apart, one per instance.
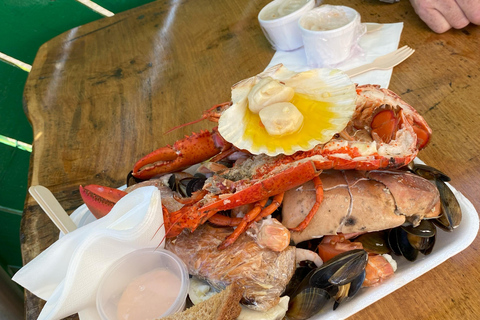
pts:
pixel 308 193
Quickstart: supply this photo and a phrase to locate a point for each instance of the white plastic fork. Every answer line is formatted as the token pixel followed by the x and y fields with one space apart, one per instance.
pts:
pixel 385 62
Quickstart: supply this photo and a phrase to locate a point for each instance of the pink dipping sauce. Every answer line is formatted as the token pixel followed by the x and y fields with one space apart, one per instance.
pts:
pixel 149 296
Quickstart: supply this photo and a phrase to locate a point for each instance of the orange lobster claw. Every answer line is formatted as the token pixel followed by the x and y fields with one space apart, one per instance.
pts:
pixel 184 153
pixel 100 200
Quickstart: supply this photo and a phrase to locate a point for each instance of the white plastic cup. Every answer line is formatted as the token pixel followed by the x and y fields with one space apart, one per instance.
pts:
pixel 134 265
pixel 327 48
pixel 283 33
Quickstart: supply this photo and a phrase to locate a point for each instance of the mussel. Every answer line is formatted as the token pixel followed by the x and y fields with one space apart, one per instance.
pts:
pixel 185 184
pixel 451 212
pixel 408 241
pixel 339 278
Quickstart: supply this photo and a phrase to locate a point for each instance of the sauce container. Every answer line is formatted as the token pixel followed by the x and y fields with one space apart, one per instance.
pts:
pixel 330 34
pixel 279 22
pixel 144 284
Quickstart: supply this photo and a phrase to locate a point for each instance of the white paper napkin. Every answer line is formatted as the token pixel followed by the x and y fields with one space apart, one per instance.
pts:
pixel 372 45
pixel 67 273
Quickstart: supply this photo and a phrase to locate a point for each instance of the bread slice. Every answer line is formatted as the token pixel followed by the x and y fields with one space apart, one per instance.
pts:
pixel 224 305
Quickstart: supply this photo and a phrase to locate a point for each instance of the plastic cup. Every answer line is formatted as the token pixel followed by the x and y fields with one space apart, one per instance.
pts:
pixel 327 48
pixel 124 277
pixel 283 32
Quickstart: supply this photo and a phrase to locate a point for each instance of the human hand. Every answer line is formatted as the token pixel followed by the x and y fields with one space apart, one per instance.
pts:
pixel 442 15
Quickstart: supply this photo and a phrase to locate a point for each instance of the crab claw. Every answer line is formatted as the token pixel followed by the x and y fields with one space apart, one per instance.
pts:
pixel 184 153
pixel 100 200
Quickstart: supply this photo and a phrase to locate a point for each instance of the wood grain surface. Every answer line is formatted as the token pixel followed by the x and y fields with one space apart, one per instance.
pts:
pixel 101 96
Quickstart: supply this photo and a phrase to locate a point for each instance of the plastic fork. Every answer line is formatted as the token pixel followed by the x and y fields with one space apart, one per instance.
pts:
pixel 385 62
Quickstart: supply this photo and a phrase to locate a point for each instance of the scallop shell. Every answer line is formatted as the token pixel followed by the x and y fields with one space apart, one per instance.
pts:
pixel 325 97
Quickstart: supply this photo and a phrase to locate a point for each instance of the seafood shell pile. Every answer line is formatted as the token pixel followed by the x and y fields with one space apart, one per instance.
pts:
pixel 304 169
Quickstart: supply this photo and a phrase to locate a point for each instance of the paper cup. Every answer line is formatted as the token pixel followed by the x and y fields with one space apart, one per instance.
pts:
pixel 327 48
pixel 283 32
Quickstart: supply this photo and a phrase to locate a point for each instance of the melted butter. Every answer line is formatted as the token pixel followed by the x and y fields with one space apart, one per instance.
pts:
pixel 317 118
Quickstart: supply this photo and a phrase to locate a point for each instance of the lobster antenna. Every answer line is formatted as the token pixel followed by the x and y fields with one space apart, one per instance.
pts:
pixel 186 124
pixel 213 114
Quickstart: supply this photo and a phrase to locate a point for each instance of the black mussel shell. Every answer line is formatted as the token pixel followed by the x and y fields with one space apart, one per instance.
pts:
pixel 429 247
pixel 356 284
pixel 339 270
pixel 420 243
pixel 392 241
pixel 425 229
pixel 349 271
pixel 374 242
pixel 428 172
pixel 188 186
pixel 349 290
pixel 451 211
pixel 172 182
pixel 131 180
pixel 307 303
pixel 406 249
pixel 300 274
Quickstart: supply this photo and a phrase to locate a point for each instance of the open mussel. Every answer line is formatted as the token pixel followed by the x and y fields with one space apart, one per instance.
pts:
pixel 307 302
pixel 408 241
pixel 451 215
pixel 374 242
pixel 427 172
pixel 340 277
pixel 185 184
pixel 451 212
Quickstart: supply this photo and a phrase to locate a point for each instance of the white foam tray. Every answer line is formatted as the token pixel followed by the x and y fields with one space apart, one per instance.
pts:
pixel 447 245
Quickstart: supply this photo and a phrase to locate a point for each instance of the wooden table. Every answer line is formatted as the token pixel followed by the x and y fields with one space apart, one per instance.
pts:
pixel 101 95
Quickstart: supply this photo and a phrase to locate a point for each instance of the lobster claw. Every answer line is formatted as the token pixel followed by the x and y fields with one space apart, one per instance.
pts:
pixel 184 153
pixel 100 200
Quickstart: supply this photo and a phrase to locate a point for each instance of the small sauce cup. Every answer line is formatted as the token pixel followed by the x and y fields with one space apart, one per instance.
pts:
pixel 144 284
pixel 279 22
pixel 330 34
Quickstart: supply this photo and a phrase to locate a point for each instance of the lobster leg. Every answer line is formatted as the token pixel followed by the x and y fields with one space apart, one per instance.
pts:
pixel 222 220
pixel 276 202
pixel 318 201
pixel 249 217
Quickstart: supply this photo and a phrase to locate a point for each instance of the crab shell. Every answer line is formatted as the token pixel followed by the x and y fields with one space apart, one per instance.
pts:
pixel 361 201
pixel 328 86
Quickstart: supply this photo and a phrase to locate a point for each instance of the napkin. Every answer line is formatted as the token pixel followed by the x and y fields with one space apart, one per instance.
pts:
pixel 67 274
pixel 371 46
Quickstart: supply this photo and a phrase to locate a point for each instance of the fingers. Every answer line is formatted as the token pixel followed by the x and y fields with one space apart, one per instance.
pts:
pixel 442 15
pixel 471 8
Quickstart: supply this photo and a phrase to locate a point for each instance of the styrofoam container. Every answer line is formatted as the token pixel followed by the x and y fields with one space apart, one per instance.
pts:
pixel 144 264
pixel 447 245
pixel 283 33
